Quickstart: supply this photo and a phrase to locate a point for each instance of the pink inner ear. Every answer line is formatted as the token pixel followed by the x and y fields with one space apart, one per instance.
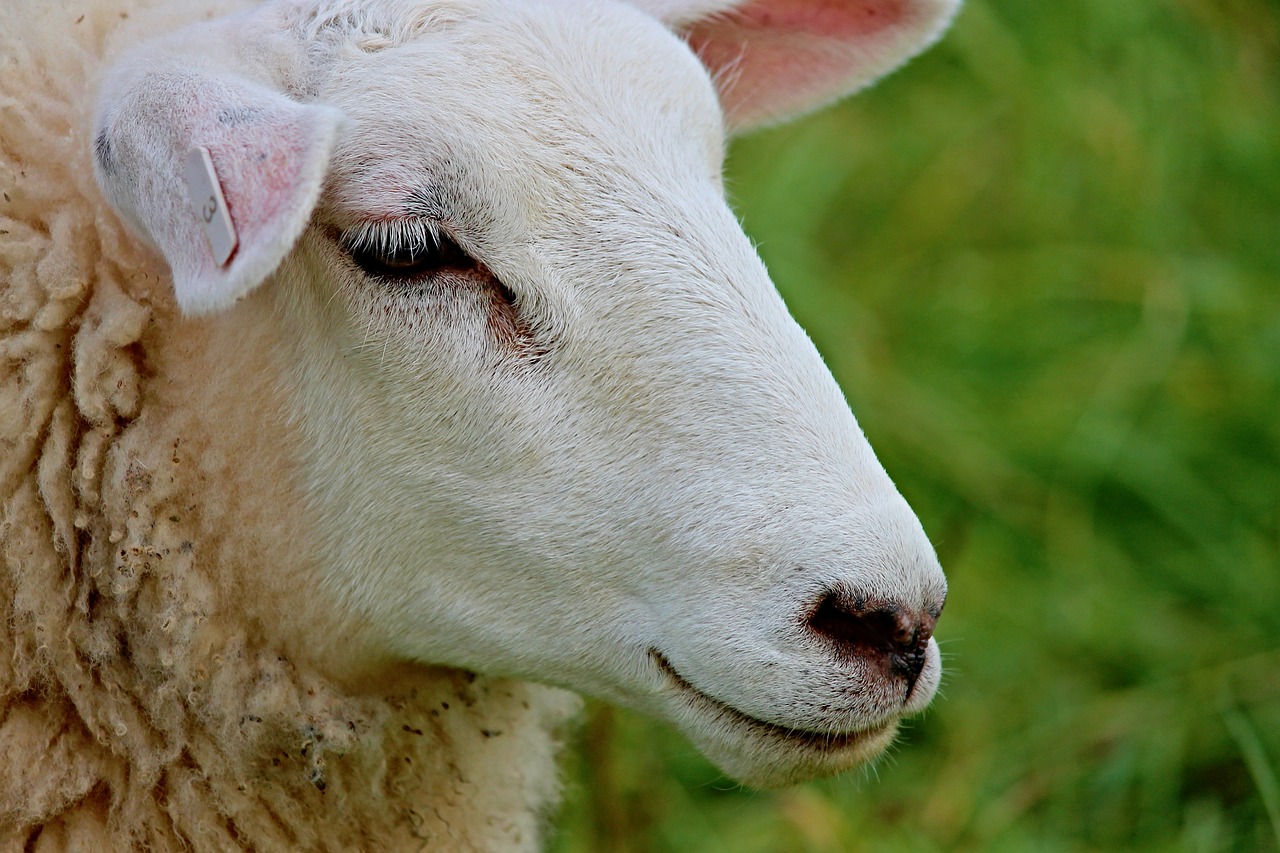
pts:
pixel 260 161
pixel 832 19
pixel 772 58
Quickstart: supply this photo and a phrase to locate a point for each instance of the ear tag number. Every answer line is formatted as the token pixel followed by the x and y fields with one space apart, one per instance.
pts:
pixel 210 205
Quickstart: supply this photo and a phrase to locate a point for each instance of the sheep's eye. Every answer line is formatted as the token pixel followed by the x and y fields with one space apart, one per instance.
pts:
pixel 411 259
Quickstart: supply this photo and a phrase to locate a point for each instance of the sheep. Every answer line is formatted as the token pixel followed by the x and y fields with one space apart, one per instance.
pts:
pixel 377 376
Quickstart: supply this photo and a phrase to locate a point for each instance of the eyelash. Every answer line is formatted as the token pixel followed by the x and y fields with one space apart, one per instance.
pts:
pixel 416 254
pixel 401 250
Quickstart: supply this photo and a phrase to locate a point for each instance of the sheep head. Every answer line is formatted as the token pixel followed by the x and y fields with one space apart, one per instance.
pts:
pixel 550 410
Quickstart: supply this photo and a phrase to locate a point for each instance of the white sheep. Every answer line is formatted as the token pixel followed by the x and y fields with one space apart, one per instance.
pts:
pixel 446 356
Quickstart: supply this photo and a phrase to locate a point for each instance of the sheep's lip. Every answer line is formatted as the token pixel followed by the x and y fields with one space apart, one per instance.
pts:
pixel 803 738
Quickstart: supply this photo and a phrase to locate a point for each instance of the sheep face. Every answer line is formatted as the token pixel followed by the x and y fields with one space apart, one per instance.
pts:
pixel 552 413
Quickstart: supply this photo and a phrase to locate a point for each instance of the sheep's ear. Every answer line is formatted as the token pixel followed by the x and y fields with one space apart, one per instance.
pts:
pixel 773 59
pixel 220 173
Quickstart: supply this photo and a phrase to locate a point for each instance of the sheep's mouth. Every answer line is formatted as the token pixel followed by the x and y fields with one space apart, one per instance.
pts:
pixel 827 742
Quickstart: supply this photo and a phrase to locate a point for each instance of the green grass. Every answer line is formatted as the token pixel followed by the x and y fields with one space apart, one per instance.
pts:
pixel 1044 263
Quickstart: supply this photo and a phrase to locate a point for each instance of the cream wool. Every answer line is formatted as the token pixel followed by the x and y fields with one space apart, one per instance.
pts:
pixel 249 560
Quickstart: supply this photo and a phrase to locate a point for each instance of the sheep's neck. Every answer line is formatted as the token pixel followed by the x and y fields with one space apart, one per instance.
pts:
pixel 176 679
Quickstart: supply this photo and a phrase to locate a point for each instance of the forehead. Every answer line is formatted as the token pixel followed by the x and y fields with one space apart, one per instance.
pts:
pixel 530 93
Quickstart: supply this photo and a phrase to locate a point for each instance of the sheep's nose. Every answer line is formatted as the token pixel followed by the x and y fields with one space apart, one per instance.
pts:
pixel 884 633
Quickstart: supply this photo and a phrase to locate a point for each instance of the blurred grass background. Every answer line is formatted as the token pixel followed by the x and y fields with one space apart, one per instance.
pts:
pixel 1044 262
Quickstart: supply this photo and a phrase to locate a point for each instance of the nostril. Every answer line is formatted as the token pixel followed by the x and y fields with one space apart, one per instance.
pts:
pixel 876 631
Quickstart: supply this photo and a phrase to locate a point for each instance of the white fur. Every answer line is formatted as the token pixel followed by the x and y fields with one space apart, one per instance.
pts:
pixel 662 463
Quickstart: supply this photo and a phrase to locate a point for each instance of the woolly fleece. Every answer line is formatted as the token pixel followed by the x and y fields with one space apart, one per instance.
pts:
pixel 159 688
